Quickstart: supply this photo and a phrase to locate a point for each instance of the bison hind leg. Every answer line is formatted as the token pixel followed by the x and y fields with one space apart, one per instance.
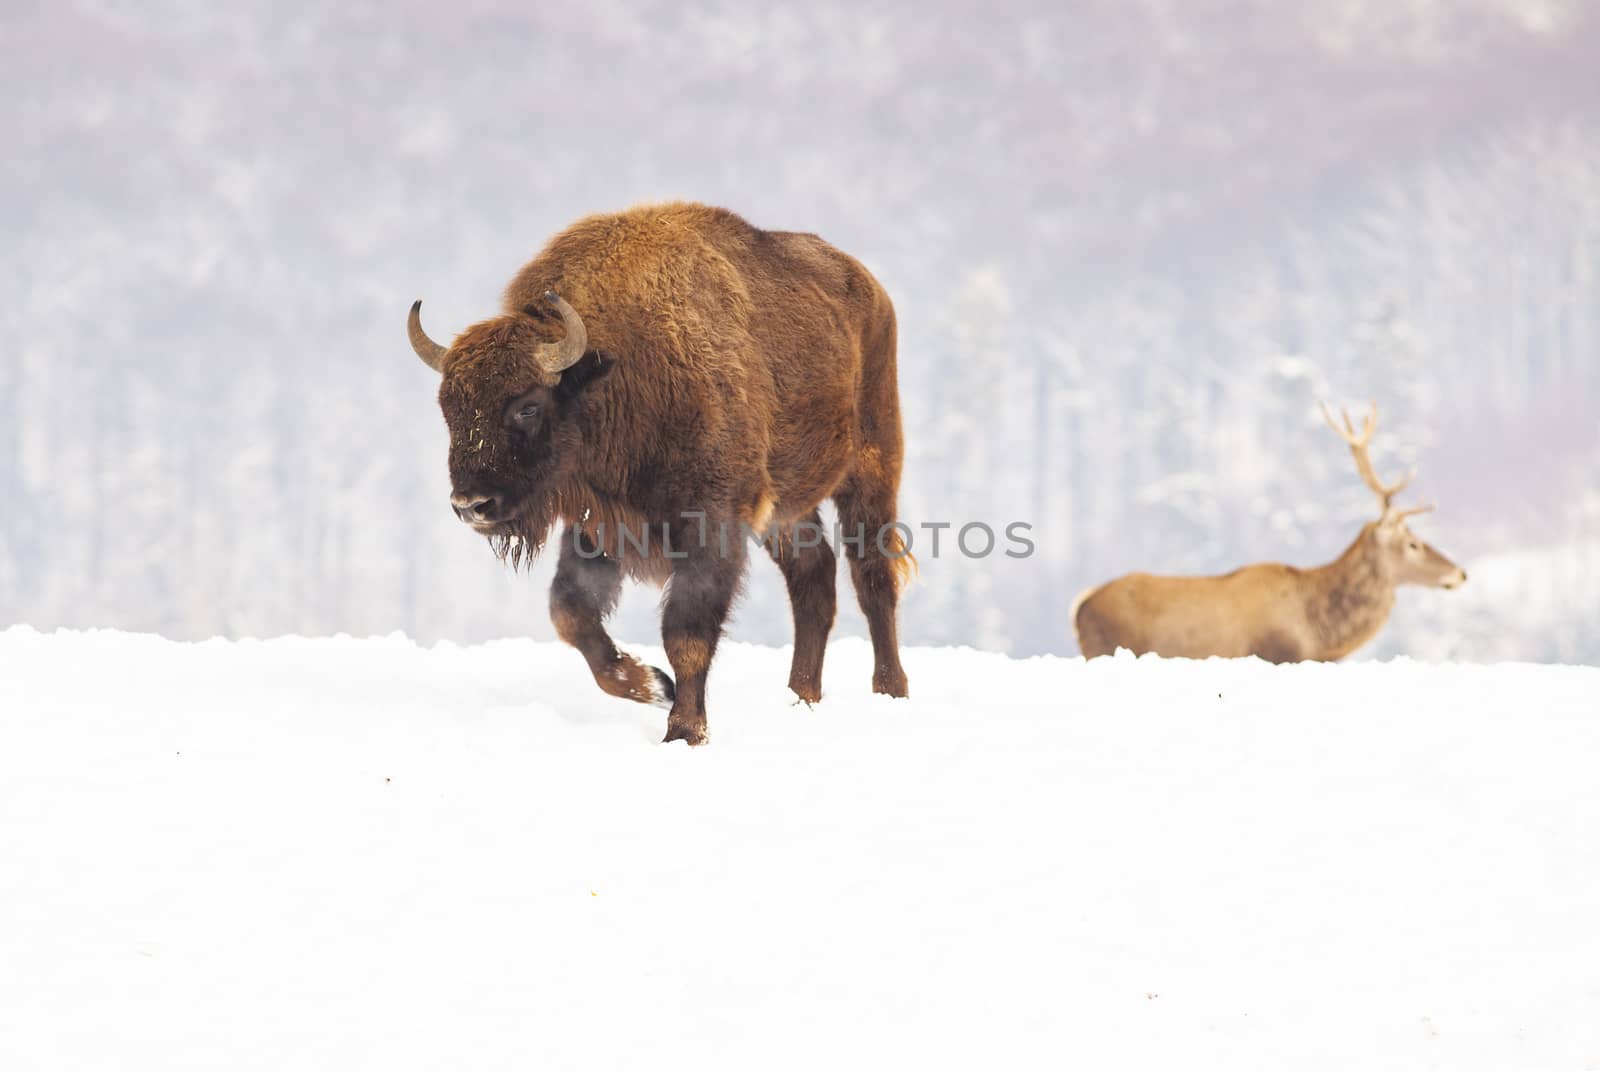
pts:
pixel 810 570
pixel 877 567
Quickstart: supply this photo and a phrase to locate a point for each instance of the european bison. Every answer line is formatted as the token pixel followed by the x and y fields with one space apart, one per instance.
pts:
pixel 695 378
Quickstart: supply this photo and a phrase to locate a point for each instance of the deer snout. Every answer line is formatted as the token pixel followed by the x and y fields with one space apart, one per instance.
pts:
pixel 1455 581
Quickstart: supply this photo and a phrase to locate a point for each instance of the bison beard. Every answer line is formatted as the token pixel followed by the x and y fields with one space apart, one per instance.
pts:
pixel 518 541
pixel 673 370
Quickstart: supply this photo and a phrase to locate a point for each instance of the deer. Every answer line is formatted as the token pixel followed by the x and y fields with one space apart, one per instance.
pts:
pixel 1276 612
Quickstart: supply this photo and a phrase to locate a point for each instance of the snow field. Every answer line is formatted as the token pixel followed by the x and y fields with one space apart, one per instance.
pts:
pixel 362 853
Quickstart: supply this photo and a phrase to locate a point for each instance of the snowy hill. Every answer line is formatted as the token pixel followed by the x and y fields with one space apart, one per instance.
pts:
pixel 362 853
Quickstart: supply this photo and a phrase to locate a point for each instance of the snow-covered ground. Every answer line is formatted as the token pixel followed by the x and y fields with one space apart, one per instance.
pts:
pixel 364 854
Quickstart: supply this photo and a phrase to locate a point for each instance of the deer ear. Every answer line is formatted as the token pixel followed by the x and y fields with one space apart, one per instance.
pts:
pixel 589 369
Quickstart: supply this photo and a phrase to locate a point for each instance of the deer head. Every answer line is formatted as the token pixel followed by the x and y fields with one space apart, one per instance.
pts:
pixel 1403 556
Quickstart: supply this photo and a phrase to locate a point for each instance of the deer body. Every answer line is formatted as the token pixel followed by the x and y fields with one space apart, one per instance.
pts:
pixel 1275 612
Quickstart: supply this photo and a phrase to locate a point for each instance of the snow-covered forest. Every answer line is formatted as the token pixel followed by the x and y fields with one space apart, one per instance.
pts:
pixel 1132 243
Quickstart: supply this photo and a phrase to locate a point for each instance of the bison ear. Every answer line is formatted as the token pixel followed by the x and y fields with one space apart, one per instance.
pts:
pixel 591 368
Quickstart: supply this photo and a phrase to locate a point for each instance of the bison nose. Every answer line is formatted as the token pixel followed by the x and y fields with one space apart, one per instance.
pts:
pixel 474 509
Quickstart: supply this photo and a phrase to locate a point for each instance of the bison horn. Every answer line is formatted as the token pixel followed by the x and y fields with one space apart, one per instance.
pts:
pixel 431 352
pixel 556 357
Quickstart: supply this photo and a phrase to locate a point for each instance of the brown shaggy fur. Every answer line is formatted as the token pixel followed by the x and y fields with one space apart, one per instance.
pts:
pixel 742 373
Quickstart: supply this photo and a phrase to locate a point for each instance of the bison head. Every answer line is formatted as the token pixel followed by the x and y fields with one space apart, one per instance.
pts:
pixel 509 396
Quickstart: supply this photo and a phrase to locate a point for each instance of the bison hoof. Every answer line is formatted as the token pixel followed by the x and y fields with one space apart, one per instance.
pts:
pixel 893 684
pixel 665 692
pixel 691 733
pixel 631 679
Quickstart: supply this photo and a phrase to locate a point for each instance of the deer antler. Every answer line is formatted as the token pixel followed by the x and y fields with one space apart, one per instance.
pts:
pixel 1402 514
pixel 1359 442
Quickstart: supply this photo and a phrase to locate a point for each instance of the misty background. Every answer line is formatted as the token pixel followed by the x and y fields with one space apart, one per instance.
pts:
pixel 1132 243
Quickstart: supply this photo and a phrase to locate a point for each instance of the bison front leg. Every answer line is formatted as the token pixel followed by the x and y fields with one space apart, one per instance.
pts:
pixel 581 598
pixel 699 595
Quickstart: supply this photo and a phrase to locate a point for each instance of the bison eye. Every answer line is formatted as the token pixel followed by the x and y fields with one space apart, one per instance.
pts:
pixel 527 413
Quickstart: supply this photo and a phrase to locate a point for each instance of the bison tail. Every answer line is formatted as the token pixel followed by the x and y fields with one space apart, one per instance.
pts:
pixel 902 563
